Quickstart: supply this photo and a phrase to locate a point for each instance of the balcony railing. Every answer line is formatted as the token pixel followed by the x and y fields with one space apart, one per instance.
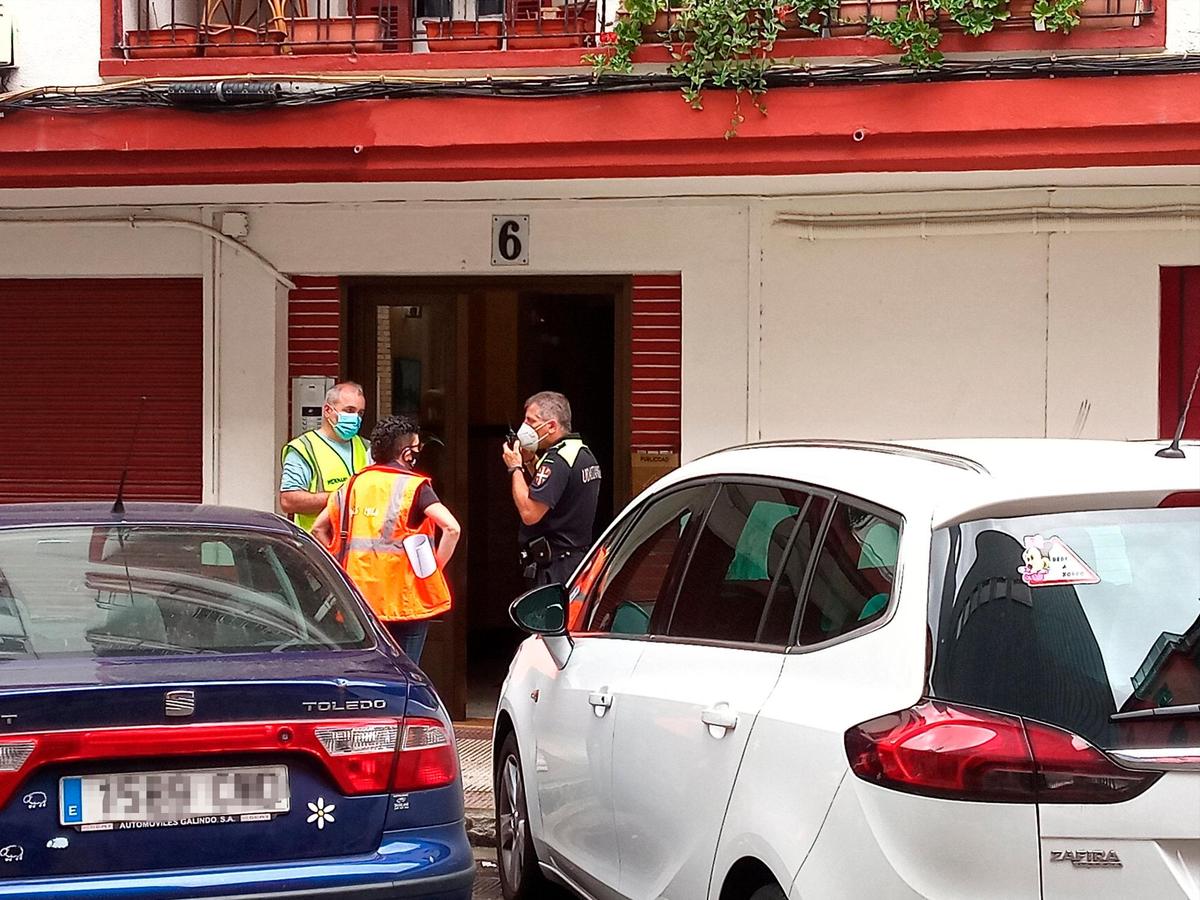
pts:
pixel 223 28
pixel 174 29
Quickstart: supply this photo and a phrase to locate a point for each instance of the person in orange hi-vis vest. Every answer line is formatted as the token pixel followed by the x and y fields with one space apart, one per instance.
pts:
pixel 381 526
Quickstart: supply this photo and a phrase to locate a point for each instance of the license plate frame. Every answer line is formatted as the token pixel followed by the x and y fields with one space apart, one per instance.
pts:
pixel 78 794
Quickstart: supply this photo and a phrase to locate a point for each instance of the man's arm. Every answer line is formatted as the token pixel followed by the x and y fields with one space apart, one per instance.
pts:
pixel 531 511
pixel 298 501
pixel 444 520
pixel 294 496
pixel 322 529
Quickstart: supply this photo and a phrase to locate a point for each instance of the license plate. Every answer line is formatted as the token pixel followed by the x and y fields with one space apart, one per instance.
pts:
pixel 160 797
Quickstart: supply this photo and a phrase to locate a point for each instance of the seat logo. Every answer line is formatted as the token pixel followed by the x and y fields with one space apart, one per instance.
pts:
pixel 181 703
pixel 1088 859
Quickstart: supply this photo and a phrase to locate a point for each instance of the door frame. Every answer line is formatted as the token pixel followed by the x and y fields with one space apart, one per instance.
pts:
pixel 460 292
pixel 621 288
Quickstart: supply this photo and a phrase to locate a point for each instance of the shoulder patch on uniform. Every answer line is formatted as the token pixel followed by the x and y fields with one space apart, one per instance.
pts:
pixel 542 475
pixel 569 450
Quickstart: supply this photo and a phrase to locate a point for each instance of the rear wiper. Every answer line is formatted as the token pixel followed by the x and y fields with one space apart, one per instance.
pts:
pixel 1183 709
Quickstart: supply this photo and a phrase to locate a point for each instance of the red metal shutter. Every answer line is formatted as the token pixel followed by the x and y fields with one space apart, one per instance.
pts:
pixel 1179 349
pixel 76 355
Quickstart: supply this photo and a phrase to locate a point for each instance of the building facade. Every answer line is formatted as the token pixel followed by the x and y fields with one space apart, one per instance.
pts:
pixel 924 257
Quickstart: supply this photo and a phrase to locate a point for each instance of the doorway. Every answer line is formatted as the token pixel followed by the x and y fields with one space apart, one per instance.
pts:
pixel 462 356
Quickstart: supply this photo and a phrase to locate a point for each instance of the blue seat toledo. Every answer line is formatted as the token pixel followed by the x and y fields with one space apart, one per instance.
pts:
pixel 195 702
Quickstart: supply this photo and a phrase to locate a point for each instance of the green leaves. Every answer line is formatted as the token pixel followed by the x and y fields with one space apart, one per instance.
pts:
pixel 1057 15
pixel 910 33
pixel 975 16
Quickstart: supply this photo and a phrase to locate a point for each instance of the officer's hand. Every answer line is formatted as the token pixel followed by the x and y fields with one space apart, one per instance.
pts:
pixel 512 455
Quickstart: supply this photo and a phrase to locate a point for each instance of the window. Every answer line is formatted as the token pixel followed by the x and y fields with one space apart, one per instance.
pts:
pixel 738 555
pixel 1117 636
pixel 135 590
pixel 642 569
pixel 852 581
pixel 776 625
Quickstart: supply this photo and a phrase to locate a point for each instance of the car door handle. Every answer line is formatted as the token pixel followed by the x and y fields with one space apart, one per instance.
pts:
pixel 719 716
pixel 600 701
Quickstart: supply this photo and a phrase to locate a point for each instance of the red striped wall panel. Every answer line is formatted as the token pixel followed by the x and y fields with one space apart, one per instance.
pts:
pixel 656 357
pixel 314 326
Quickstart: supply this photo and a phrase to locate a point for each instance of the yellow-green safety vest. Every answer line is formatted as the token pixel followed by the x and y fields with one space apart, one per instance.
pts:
pixel 328 467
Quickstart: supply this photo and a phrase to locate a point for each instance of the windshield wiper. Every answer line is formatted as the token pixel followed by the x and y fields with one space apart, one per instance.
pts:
pixel 122 642
pixel 1183 709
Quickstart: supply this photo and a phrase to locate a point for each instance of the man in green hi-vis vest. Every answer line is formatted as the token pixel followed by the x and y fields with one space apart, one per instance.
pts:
pixel 320 461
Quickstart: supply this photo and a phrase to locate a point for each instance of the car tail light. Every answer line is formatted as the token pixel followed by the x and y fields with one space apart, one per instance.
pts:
pixel 960 753
pixel 360 756
pixel 427 757
pixel 13 754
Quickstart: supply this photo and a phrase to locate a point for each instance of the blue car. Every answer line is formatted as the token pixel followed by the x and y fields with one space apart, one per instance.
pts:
pixel 195 702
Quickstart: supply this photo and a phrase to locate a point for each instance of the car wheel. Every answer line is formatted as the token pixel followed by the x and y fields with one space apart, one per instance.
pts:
pixel 520 876
pixel 769 892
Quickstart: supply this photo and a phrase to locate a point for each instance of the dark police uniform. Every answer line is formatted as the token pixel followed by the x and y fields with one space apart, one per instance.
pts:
pixel 566 479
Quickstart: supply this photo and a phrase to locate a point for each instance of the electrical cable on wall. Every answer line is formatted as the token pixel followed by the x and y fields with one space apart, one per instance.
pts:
pixel 261 92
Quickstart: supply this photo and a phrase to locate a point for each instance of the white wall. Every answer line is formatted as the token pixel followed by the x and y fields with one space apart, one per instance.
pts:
pixel 57 42
pixel 1183 26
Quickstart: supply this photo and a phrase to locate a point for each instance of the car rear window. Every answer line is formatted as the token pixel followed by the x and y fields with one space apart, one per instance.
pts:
pixel 144 590
pixel 1073 619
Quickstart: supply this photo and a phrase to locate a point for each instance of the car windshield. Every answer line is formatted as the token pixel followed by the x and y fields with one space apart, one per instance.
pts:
pixel 118 590
pixel 1079 620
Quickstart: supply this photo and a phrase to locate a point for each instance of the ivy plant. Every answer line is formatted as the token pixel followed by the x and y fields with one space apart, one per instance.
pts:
pixel 1057 15
pixel 975 16
pixel 728 43
pixel 913 35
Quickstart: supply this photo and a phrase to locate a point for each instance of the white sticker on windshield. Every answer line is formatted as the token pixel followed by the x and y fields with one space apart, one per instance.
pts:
pixel 1049 562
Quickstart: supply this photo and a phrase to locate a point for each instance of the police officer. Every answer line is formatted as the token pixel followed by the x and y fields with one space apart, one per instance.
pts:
pixel 320 461
pixel 555 486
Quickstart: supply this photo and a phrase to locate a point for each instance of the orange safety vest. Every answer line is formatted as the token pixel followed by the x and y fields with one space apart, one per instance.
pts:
pixel 372 510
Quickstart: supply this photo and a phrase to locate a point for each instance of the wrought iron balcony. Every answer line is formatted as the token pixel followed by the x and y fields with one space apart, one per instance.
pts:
pixel 366 33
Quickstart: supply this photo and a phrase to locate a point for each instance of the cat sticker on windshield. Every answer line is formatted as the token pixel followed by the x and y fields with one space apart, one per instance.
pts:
pixel 1050 562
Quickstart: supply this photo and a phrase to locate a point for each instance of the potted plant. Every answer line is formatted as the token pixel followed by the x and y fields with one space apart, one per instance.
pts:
pixel 337 34
pixel 242 40
pixel 157 43
pixel 463 34
pixel 545 31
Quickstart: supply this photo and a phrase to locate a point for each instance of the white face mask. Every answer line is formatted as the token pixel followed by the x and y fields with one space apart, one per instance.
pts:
pixel 527 437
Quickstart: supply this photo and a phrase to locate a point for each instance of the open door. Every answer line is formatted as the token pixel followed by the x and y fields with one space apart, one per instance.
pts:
pixel 409 350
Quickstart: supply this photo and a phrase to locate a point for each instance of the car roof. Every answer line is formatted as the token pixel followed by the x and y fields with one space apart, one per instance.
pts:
pixel 952 480
pixel 23 515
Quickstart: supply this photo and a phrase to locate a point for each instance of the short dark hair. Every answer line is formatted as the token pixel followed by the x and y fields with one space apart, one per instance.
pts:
pixel 552 405
pixel 388 437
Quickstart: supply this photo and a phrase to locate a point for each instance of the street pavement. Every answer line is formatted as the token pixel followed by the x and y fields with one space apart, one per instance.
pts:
pixel 487 880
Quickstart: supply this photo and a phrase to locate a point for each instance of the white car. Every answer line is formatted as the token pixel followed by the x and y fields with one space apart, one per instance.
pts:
pixel 951 669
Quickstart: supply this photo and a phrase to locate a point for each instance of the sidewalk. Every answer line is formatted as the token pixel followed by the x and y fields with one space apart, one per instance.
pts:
pixel 474 739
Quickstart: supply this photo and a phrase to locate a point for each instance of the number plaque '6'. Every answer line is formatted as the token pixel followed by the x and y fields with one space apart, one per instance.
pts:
pixel 510 240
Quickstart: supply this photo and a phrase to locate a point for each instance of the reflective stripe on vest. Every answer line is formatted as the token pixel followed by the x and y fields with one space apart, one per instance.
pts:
pixel 328 468
pixel 375 559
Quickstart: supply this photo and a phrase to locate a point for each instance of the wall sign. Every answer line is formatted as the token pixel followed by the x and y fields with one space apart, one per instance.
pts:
pixel 510 240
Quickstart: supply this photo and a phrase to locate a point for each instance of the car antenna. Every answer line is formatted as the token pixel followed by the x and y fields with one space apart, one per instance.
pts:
pixel 118 507
pixel 1173 451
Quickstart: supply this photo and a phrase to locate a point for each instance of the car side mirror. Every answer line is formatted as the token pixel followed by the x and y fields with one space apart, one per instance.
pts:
pixel 542 610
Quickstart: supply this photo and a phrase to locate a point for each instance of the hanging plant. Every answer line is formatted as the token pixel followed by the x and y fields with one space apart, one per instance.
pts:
pixel 727 44
pixel 913 35
pixel 1056 15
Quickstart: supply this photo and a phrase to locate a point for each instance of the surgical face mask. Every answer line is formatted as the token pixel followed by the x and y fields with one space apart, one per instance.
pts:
pixel 528 437
pixel 347 425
